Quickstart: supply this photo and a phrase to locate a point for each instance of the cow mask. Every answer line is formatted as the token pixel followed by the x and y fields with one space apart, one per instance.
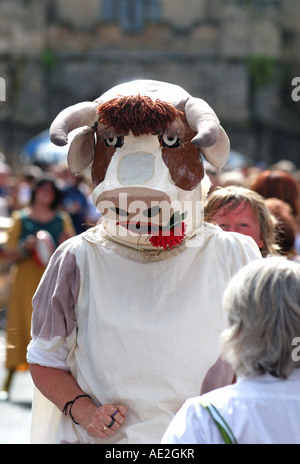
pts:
pixel 144 140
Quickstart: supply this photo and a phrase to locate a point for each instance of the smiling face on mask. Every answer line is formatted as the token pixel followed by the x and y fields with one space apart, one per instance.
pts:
pixel 148 185
pixel 144 141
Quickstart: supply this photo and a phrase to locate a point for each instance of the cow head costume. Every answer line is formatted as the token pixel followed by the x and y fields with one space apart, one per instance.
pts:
pixel 144 140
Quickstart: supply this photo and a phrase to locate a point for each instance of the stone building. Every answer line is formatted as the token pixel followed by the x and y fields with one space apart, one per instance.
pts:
pixel 239 55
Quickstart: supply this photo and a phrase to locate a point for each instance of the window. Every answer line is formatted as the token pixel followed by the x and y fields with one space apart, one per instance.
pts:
pixel 132 15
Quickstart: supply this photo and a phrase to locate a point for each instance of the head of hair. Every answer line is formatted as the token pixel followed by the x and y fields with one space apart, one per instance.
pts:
pixel 262 302
pixel 232 197
pixel 47 180
pixel 286 228
pixel 278 184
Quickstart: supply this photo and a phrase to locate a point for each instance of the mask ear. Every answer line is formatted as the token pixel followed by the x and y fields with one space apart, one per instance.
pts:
pixel 81 150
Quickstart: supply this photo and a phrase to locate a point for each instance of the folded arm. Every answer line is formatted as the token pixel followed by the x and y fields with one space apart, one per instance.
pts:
pixel 60 387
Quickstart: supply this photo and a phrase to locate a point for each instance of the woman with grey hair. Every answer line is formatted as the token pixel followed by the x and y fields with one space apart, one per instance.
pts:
pixel 262 343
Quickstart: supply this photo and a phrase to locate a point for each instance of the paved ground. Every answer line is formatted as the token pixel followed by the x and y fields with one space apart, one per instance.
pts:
pixel 15 414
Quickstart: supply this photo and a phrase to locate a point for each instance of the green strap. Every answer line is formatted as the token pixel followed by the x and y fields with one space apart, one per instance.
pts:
pixel 223 427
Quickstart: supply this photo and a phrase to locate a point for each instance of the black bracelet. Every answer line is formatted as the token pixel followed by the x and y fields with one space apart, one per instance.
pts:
pixel 70 403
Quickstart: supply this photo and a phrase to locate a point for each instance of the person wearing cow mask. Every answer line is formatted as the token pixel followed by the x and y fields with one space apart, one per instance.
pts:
pixel 127 317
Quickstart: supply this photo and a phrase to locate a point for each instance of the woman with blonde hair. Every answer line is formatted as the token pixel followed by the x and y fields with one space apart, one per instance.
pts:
pixel 238 209
pixel 262 343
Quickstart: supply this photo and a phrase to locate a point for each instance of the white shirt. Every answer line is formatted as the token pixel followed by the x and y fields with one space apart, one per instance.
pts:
pixel 260 410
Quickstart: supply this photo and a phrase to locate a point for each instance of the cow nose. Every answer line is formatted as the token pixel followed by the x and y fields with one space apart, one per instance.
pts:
pixel 136 168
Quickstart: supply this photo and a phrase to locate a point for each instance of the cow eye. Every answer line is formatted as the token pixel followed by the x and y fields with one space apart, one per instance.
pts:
pixel 171 142
pixel 115 142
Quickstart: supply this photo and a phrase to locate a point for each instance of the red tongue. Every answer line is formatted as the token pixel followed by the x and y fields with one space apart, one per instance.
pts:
pixel 170 239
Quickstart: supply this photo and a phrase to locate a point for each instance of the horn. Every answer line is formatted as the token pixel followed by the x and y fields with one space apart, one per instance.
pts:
pixel 218 154
pixel 211 137
pixel 81 114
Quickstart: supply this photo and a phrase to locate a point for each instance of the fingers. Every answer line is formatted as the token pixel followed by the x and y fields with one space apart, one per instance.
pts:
pixel 114 420
pixel 106 420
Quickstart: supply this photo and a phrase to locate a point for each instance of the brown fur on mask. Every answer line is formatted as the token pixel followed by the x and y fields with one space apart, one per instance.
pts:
pixel 138 114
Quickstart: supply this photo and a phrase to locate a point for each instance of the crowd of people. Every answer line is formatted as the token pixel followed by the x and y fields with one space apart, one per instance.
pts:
pixel 264 204
pixel 270 201
pixel 75 191
pixel 51 200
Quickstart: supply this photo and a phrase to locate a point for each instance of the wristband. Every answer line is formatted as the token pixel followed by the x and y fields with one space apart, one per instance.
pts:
pixel 70 403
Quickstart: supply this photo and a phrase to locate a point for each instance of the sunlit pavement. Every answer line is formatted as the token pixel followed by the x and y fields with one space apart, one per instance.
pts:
pixel 15 413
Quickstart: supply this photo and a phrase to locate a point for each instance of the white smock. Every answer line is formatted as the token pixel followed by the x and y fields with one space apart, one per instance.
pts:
pixel 138 328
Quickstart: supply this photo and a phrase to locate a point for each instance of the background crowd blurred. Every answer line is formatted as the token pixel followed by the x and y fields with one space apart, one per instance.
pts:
pixel 261 202
pixel 16 189
pixel 278 184
pixel 40 207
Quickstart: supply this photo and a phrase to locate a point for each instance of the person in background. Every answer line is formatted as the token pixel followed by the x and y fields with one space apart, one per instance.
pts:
pixel 286 228
pixel 75 202
pixel 27 180
pixel 5 174
pixel 284 186
pixel 237 209
pixel 42 214
pixel 13 196
pixel 233 177
pixel 261 343
pixel 279 184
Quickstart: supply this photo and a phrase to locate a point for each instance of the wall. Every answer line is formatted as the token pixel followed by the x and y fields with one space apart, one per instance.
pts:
pixel 239 55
